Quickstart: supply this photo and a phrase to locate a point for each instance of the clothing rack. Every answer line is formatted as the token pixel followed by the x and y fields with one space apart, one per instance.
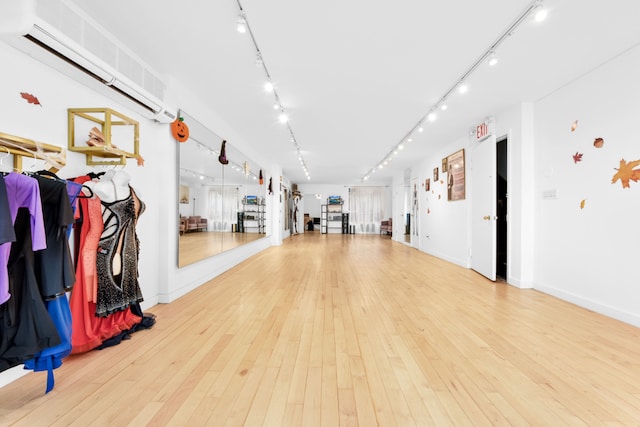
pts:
pixel 22 147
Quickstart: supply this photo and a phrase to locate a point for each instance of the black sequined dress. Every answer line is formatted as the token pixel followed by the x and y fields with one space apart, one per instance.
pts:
pixel 119 240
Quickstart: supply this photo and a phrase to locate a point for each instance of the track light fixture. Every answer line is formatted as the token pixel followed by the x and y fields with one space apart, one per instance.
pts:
pixel 540 12
pixel 535 7
pixel 493 58
pixel 243 26
pixel 242 23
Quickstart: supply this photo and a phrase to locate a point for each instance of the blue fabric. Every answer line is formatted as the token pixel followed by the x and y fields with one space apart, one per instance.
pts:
pixel 51 358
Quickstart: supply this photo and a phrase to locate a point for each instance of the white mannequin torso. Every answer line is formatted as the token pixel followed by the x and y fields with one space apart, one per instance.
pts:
pixel 112 188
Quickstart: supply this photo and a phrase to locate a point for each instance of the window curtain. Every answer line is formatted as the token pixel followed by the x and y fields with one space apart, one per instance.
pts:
pixel 223 208
pixel 366 208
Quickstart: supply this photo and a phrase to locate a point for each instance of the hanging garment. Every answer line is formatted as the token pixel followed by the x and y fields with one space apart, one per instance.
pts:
pixel 6 225
pixel 26 327
pixel 54 271
pixel 54 266
pixel 22 191
pixel 222 158
pixel 88 330
pixel 51 358
pixel 119 240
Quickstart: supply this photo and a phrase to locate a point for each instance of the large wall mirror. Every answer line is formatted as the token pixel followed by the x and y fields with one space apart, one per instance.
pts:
pixel 220 206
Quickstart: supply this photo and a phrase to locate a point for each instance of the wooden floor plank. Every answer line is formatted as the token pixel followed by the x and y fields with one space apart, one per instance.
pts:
pixel 349 330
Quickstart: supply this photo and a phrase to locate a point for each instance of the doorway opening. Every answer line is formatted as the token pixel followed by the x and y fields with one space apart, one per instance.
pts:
pixel 502 198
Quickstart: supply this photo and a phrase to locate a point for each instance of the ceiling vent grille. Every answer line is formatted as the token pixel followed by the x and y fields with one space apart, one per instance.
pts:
pixel 61 35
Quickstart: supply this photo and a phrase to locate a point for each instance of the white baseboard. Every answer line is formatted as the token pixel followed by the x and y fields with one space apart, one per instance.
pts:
pixel 12 374
pixel 589 304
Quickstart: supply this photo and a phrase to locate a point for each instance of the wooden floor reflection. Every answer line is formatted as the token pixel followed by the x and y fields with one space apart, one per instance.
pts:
pixel 196 246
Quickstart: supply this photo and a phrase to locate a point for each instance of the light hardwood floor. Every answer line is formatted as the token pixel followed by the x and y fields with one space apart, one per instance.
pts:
pixel 198 245
pixel 349 330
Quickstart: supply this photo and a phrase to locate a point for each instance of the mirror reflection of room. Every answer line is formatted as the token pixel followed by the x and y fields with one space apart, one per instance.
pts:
pixel 221 205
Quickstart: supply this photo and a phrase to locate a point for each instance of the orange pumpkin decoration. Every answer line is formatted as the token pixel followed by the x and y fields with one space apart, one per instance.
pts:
pixel 180 130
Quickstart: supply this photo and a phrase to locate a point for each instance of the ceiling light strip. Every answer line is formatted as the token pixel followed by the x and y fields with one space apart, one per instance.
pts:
pixel 284 119
pixel 533 6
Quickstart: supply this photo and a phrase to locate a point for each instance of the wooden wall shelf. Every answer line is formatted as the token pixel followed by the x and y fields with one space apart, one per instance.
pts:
pixel 108 121
pixel 19 147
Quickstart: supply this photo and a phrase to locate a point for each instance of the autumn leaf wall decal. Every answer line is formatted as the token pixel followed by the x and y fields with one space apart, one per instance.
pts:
pixel 30 98
pixel 598 142
pixel 577 157
pixel 582 203
pixel 574 126
pixel 627 173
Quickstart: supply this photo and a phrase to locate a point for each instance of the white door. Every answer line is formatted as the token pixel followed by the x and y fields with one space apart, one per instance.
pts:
pixel 483 208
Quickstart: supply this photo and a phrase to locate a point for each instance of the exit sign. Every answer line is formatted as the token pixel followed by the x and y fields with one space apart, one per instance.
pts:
pixel 484 130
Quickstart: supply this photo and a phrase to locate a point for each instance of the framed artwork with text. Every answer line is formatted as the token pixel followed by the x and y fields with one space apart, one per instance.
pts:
pixel 456 176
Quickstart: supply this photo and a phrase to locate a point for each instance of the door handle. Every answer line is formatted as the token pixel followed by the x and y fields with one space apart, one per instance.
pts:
pixel 486 217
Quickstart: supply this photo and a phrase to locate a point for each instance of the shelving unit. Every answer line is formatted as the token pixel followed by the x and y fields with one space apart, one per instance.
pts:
pixel 252 218
pixel 108 121
pixel 331 218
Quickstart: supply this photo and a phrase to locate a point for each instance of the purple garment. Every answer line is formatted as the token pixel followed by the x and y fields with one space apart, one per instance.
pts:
pixel 22 192
pixel 7 234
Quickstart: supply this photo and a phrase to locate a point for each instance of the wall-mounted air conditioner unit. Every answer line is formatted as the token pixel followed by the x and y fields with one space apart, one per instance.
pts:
pixel 60 34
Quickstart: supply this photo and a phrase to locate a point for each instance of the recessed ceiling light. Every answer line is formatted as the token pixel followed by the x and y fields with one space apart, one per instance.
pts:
pixel 463 88
pixel 268 86
pixel 493 59
pixel 242 24
pixel 432 116
pixel 541 13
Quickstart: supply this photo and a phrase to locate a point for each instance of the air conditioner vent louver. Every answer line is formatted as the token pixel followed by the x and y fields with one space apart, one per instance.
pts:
pixel 60 28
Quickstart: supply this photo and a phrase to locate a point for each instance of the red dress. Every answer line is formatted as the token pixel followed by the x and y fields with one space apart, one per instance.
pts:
pixel 88 330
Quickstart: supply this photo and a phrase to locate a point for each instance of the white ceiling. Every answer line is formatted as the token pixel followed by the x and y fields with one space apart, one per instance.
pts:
pixel 355 76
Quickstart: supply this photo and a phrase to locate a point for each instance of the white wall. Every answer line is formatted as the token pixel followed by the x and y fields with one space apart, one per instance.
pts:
pixel 312 204
pixel 442 225
pixel 589 256
pixel 585 256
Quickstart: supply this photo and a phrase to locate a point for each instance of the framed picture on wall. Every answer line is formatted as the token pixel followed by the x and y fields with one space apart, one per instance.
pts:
pixel 184 194
pixel 435 174
pixel 456 176
pixel 427 184
pixel 444 165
